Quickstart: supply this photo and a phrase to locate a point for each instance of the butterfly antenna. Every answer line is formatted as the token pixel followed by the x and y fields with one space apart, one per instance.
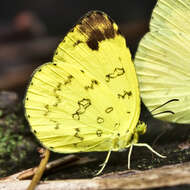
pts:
pixel 168 111
pixel 172 100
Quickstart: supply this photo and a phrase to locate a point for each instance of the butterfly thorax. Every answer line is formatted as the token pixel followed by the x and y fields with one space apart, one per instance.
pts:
pixel 131 137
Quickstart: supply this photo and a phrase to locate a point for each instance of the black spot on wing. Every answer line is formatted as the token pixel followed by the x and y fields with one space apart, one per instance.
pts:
pixel 124 94
pixel 97 26
pixel 99 132
pixel 77 42
pixel 92 85
pixel 93 44
pixel 56 52
pixel 109 109
pixel 100 120
pixel 77 134
pixel 117 72
pixel 82 106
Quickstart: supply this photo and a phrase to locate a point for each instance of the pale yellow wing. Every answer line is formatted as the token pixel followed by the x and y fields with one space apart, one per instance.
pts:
pixel 88 97
pixel 163 61
pixel 172 15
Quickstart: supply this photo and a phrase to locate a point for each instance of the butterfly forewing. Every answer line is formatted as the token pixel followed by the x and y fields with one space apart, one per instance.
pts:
pixel 89 93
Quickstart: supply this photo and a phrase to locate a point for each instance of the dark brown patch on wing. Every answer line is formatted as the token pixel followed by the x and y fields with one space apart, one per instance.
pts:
pixel 98 27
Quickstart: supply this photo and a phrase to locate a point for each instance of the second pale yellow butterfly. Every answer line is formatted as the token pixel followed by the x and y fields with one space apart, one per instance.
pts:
pixel 162 61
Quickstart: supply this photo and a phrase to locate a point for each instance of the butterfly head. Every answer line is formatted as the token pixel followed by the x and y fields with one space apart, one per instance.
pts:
pixel 122 142
pixel 141 128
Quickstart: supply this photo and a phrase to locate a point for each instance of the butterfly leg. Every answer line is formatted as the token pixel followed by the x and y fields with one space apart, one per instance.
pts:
pixel 150 148
pixel 129 156
pixel 105 162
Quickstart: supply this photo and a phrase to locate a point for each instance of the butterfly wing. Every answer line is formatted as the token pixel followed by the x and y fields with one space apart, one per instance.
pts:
pixel 89 94
pixel 162 61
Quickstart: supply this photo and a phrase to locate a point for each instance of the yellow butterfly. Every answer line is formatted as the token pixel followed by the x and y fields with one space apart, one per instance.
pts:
pixel 87 99
pixel 162 61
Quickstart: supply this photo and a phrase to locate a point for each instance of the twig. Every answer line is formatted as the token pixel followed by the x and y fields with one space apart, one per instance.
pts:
pixel 39 172
pixel 65 160
pixel 68 161
pixel 169 176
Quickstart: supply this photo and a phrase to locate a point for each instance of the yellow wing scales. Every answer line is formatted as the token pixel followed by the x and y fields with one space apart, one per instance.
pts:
pixel 88 97
pixel 162 61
